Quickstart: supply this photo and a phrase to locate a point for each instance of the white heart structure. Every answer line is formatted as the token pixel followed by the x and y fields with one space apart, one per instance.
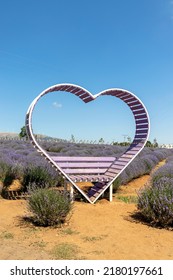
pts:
pixel 101 171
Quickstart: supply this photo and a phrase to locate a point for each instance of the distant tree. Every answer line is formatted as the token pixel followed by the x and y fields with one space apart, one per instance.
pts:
pixel 101 141
pixel 155 144
pixel 23 133
pixel 149 144
pixel 129 139
pixel 72 138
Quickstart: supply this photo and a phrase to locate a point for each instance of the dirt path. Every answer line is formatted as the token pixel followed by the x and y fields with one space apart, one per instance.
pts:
pixel 101 231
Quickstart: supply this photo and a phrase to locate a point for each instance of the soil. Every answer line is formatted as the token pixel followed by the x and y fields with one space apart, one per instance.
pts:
pixel 103 231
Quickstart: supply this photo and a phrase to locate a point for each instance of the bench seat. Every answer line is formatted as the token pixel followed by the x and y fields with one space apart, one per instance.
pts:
pixel 86 169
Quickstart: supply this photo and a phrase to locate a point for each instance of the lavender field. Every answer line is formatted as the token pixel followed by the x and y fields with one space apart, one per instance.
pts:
pixel 19 160
pixel 155 201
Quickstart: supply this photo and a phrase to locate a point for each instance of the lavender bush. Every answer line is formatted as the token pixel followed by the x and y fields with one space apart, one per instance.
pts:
pixel 155 202
pixel 49 207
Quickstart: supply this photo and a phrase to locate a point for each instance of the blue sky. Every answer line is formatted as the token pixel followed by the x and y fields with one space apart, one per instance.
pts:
pixel 94 44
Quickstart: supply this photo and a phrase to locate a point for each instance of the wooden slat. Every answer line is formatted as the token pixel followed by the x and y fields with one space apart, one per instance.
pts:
pixel 136 102
pixel 120 163
pixel 139 112
pixel 139 131
pixel 78 93
pixel 134 108
pixel 87 99
pixel 112 175
pixel 140 121
pixel 82 159
pixel 84 164
pixel 141 135
pixel 84 95
pixel 75 90
pixel 142 126
pixel 114 170
pixel 84 170
pixel 130 100
pixel 127 156
pixel 125 97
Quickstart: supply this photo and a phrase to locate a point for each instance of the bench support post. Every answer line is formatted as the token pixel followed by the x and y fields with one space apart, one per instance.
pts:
pixel 110 192
pixel 71 193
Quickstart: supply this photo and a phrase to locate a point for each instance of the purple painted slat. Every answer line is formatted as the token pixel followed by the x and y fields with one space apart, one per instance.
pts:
pixel 142 121
pixel 114 169
pixel 138 135
pixel 110 174
pixel 137 107
pixel 122 159
pixel 139 131
pixel 84 95
pixel 84 164
pixel 116 166
pixel 141 116
pixel 120 163
pixel 87 99
pixel 75 90
pixel 69 88
pixel 142 126
pixel 134 103
pixel 130 100
pixel 125 97
pixel 139 112
pixel 141 135
pixel 65 87
pixel 131 152
pixel 116 93
pixel 139 138
pixel 126 156
pixel 78 93
pixel 85 159
pixel 84 170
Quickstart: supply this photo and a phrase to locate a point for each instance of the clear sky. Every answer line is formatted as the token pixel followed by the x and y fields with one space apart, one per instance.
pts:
pixel 96 44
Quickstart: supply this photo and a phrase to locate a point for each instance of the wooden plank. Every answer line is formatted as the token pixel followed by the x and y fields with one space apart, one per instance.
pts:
pixel 84 164
pixel 134 108
pixel 78 93
pixel 130 100
pixel 127 156
pixel 84 170
pixel 139 112
pixel 75 90
pixel 84 95
pixel 65 87
pixel 140 121
pixel 136 102
pixel 116 93
pixel 139 131
pixel 118 165
pixel 110 174
pixel 87 99
pixel 84 159
pixel 125 97
pixel 142 135
pixel 114 170
pixel 142 126
pixel 69 89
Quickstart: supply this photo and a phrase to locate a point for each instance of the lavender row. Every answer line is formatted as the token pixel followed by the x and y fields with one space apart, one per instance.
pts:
pixel 155 201
pixel 19 160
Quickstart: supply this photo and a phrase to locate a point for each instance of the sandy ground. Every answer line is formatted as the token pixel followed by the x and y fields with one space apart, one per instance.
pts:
pixel 104 231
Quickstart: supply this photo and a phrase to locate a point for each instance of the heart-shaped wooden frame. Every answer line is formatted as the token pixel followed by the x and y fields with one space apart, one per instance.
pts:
pixel 102 180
